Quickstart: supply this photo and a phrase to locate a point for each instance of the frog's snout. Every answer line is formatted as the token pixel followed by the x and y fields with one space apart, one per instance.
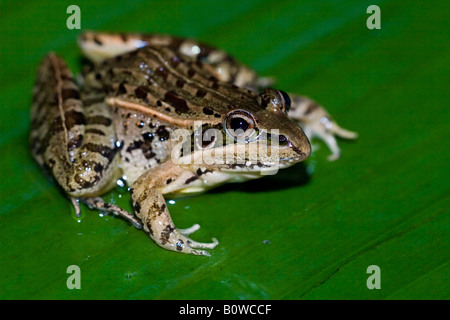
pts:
pixel 295 139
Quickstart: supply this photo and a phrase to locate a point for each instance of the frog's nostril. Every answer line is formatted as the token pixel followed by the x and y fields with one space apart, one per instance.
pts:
pixel 282 139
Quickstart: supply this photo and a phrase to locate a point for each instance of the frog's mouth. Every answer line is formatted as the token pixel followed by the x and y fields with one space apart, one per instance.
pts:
pixel 256 156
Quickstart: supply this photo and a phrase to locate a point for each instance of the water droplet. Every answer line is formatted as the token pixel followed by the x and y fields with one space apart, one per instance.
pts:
pixel 120 183
pixel 171 201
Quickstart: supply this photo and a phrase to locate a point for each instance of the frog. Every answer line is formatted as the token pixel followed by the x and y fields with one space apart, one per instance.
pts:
pixel 118 120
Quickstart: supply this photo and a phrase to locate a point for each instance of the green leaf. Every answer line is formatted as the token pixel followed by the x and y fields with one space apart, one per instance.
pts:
pixel 309 232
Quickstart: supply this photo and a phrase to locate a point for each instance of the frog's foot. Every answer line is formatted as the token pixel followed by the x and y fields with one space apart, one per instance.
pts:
pixel 194 244
pixel 150 206
pixel 162 230
pixel 317 123
pixel 187 245
pixel 326 130
pixel 99 204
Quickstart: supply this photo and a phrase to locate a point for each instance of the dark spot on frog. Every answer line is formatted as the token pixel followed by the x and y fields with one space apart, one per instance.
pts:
pixel 95 131
pixel 162 133
pixel 106 205
pixel 180 245
pixel 98 167
pixel 163 207
pixel 191 73
pixel 137 207
pixel 208 111
pixel 200 93
pixel 140 124
pixel 159 103
pixel 165 234
pixel 148 137
pixel 191 179
pixel 97 41
pixel 123 37
pixel 144 145
pixel 121 89
pixel 168 181
pixel 105 151
pixel 85 184
pixel 206 141
pixel 99 120
pixel 180 83
pixel 217 115
pixel 311 107
pixel 69 93
pixel 200 172
pixel 175 101
pixel 141 93
pixel 73 118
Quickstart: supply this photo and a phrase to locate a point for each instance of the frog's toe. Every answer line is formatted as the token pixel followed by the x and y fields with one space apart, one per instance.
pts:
pixel 341 132
pixel 190 230
pixel 187 245
pixel 203 245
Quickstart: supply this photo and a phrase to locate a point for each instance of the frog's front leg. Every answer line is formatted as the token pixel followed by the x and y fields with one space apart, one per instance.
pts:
pixel 72 136
pixel 150 206
pixel 317 123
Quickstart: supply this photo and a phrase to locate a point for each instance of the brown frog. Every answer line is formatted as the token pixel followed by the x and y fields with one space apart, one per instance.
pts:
pixel 168 115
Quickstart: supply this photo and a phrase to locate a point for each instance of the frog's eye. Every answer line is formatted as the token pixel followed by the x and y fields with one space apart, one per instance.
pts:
pixel 287 100
pixel 240 125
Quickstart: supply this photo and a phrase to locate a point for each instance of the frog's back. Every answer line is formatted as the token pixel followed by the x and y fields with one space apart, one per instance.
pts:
pixel 160 80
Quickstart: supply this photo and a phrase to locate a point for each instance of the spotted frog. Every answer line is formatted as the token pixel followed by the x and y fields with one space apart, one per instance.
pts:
pixel 141 111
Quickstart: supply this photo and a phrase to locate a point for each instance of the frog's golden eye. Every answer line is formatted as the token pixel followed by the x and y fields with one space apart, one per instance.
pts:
pixel 240 125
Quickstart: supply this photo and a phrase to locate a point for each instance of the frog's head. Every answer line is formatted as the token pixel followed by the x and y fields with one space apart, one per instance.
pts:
pixel 253 136
pixel 268 125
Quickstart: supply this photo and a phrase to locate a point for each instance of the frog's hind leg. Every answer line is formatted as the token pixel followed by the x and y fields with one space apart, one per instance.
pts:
pixel 73 140
pixel 100 46
pixel 317 123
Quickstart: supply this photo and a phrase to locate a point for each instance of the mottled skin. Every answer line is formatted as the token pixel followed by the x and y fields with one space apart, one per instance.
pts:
pixel 140 90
